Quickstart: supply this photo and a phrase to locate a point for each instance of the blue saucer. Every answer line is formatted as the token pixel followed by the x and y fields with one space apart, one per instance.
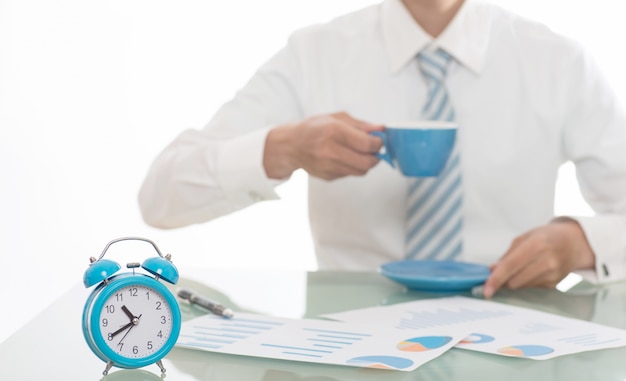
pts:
pixel 446 276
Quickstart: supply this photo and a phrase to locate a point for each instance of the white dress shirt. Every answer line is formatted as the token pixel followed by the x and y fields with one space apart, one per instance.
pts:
pixel 526 99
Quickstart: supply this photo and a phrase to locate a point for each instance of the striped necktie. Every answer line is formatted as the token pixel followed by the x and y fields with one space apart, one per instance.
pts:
pixel 434 214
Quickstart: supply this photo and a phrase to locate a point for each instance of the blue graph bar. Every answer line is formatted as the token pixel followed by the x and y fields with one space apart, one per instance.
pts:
pixel 295 348
pixel 442 317
pixel 337 332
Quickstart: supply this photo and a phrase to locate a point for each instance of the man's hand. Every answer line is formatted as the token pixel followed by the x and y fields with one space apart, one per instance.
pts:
pixel 326 146
pixel 542 257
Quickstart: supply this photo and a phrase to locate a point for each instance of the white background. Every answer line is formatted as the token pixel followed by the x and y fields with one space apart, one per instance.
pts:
pixel 91 91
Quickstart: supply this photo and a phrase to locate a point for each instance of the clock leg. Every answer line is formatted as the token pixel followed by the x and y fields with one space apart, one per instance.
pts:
pixel 160 365
pixel 108 367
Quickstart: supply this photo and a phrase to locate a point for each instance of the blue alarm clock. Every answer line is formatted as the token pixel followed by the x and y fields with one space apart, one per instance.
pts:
pixel 131 319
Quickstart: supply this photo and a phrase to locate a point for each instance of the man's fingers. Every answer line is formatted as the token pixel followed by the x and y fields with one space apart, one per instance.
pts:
pixel 530 275
pixel 347 118
pixel 359 141
pixel 495 281
pixel 337 145
pixel 342 161
pixel 511 263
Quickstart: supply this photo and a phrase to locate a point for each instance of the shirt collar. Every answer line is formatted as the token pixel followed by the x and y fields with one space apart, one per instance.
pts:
pixel 466 38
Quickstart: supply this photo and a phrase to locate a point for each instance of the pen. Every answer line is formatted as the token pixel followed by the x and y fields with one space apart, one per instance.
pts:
pixel 210 305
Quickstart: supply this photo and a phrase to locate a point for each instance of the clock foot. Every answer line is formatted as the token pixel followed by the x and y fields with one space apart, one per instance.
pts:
pixel 108 367
pixel 160 365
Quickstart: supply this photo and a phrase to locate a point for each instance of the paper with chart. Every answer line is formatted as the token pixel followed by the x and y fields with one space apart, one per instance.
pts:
pixel 496 328
pixel 320 341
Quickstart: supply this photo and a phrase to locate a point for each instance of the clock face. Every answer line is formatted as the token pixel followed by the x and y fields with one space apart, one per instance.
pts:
pixel 135 321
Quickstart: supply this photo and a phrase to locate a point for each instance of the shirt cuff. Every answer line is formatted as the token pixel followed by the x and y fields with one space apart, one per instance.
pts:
pixel 240 172
pixel 607 237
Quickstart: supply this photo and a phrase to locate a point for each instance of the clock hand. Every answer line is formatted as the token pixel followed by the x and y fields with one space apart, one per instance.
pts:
pixel 123 337
pixel 134 321
pixel 128 313
pixel 121 329
pixel 132 324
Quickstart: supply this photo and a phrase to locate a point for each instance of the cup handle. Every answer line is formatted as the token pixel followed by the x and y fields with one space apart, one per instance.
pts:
pixel 384 152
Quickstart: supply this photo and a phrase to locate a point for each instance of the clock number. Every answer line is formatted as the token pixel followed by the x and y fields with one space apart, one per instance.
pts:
pixel 110 336
pixel 120 345
pixel 132 291
pixel 148 295
pixel 158 305
pixel 163 320
pixel 135 350
pixel 119 297
pixel 105 322
pixel 110 308
pixel 149 345
pixel 160 334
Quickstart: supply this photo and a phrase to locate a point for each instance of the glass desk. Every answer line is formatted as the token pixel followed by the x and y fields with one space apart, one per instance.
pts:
pixel 51 345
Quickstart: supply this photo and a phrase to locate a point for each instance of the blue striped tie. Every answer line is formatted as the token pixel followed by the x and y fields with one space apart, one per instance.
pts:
pixel 434 215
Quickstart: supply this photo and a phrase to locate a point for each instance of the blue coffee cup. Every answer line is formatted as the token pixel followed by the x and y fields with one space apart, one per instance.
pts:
pixel 418 149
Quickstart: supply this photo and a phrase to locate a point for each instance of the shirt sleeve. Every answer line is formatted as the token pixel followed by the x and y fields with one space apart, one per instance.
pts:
pixel 204 174
pixel 595 140
pixel 606 237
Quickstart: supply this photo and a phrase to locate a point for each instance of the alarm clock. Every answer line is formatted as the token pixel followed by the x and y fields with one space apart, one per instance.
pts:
pixel 131 319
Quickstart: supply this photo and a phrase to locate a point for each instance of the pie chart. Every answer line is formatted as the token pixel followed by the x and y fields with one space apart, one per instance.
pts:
pixel 381 362
pixel 477 338
pixel 424 343
pixel 525 350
